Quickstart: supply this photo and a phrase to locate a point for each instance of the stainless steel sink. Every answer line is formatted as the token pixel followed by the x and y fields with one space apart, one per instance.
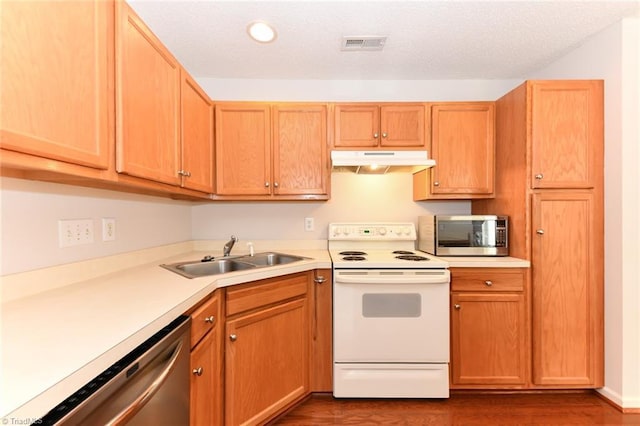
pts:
pixel 270 259
pixel 195 269
pixel 202 268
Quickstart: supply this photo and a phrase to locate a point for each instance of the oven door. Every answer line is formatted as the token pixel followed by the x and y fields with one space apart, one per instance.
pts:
pixel 391 316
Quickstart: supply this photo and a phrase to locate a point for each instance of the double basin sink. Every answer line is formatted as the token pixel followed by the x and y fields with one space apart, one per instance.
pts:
pixel 211 266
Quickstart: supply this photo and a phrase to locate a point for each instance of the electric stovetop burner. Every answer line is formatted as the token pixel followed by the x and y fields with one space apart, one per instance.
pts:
pixel 412 257
pixel 402 252
pixel 355 258
pixel 352 253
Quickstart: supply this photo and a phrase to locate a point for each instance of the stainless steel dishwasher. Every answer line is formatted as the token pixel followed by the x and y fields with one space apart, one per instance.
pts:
pixel 149 386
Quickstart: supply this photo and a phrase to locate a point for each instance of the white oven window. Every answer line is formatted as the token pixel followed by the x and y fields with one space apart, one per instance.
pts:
pixel 391 305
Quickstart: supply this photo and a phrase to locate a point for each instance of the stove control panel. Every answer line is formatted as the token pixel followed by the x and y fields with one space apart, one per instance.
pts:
pixel 372 231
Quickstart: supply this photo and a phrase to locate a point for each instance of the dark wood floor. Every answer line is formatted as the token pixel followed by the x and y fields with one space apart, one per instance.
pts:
pixel 461 409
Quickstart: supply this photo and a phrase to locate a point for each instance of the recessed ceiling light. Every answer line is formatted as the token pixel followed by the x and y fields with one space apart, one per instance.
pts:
pixel 261 32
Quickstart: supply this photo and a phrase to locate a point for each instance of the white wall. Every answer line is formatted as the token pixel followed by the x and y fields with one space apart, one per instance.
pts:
pixel 353 198
pixel 613 55
pixel 31 210
pixel 356 90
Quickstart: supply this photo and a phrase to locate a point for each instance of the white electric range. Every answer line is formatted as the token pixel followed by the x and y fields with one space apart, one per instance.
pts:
pixel 390 313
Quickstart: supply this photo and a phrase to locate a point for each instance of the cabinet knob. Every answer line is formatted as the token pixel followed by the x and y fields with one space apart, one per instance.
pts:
pixel 456 306
pixel 210 319
pixel 233 337
pixel 375 135
pixel 539 176
pixel 384 135
pixel 266 184
pixel 436 183
pixel 184 173
pixel 540 231
pixel 197 371
pixel 319 279
pixel 275 184
pixel 489 283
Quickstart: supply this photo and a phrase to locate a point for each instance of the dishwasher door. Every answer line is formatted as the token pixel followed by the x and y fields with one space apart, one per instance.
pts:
pixel 149 386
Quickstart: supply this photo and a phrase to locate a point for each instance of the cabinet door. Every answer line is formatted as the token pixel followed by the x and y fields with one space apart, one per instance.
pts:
pixel 243 149
pixel 402 126
pixel 202 382
pixel 488 339
pixel 54 75
pixel 321 379
pixel 197 136
pixel 300 163
pixel 566 133
pixel 148 102
pixel 462 144
pixel 567 293
pixel 266 362
pixel 356 125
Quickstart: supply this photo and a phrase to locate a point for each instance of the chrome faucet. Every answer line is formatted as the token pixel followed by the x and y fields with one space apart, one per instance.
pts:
pixel 226 251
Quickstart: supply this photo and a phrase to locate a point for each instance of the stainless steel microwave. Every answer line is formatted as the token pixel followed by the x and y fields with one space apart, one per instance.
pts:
pixel 468 235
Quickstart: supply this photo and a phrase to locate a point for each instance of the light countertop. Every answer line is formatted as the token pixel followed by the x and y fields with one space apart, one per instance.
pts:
pixel 485 262
pixel 57 335
pixel 56 340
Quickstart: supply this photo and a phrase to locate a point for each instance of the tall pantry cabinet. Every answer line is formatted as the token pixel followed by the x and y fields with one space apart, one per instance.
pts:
pixel 549 180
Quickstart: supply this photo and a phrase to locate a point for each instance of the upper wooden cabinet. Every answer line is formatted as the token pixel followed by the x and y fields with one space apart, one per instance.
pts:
pixel 463 146
pixel 566 124
pixel 382 126
pixel 148 102
pixel 56 97
pixel 268 151
pixel 197 157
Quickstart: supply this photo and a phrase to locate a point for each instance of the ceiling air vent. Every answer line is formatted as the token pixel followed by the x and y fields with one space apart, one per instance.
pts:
pixel 363 43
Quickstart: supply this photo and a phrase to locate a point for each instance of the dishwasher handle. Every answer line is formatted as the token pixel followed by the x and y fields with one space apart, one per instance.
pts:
pixel 137 404
pixel 441 277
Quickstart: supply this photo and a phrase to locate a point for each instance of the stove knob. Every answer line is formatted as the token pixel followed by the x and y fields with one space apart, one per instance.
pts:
pixel 382 231
pixel 406 230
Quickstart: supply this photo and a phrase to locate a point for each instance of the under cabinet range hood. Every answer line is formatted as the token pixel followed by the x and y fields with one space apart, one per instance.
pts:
pixel 379 162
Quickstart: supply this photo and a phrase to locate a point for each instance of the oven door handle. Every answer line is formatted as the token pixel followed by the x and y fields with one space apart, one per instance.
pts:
pixel 393 279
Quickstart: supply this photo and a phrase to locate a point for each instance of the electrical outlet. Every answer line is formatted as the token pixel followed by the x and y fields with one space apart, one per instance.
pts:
pixel 108 229
pixel 75 232
pixel 308 224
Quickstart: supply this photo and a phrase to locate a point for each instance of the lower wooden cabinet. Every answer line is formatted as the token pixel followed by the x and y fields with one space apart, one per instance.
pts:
pixel 266 348
pixel 489 329
pixel 206 363
pixel 321 373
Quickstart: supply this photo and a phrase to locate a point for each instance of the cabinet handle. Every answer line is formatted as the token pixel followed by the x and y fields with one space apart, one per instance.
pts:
pixel 436 183
pixel 319 279
pixel 210 319
pixel 375 135
pixel 233 337
pixel 184 173
pixel 197 371
pixel 456 306
pixel 539 176
pixel 489 283
pixel 275 184
pixel 266 184
pixel 384 135
pixel 540 232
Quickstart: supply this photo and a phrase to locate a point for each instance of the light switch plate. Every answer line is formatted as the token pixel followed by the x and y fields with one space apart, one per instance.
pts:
pixel 75 232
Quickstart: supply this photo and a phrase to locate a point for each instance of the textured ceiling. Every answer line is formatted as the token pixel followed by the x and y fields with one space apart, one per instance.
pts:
pixel 427 39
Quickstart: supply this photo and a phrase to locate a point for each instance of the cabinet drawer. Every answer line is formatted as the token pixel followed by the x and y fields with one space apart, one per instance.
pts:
pixel 204 318
pixel 487 279
pixel 261 293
